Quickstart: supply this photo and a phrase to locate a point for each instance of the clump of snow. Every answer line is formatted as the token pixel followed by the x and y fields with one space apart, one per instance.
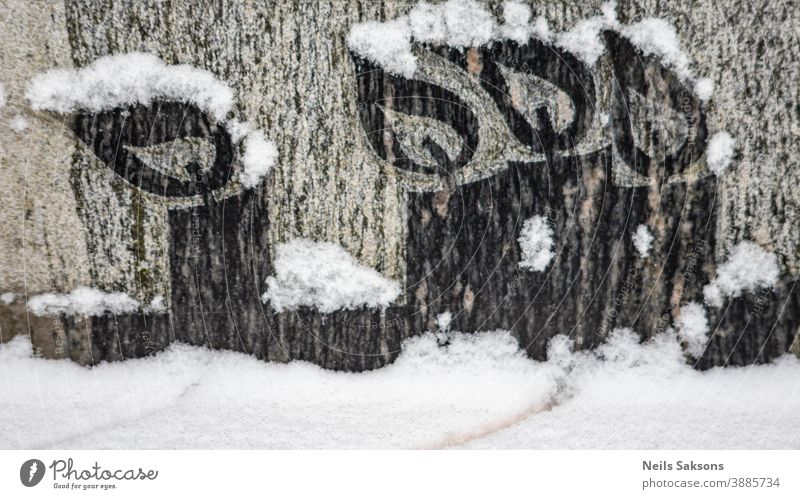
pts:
pixel 324 276
pixel 658 37
pixel 156 305
pixel 8 298
pixel 443 321
pixel 2 96
pixel 517 17
pixel 748 267
pixel 584 40
pixel 458 23
pixel 125 79
pixel 82 301
pixel 643 240
pixel 704 88
pixel 720 152
pixel 693 328
pixel 19 124
pixel 536 243
pixel 387 44
pixel 259 157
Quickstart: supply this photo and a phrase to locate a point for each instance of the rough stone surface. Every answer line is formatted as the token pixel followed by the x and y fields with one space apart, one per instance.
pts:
pixel 68 219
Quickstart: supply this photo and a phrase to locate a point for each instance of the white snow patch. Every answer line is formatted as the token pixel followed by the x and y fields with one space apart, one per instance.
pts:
pixel 428 394
pixel 517 17
pixel 325 276
pixel 457 23
pixel 156 305
pixel 643 240
pixel 443 321
pixel 748 267
pixel 693 328
pixel 536 243
pixel 704 88
pixel 479 387
pixel 259 157
pixel 2 96
pixel 19 124
pixel 720 152
pixel 658 37
pixel 8 298
pixel 125 79
pixel 82 301
pixel 387 44
pixel 612 393
pixel 136 77
pixel 584 40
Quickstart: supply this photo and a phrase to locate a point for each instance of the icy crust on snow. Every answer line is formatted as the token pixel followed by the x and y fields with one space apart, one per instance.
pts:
pixel 692 327
pixel 478 390
pixel 747 268
pixel 324 276
pixel 140 78
pixel 536 244
pixel 82 301
pixel 467 23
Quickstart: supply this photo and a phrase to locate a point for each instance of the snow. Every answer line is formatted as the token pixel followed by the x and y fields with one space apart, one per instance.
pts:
pixel 693 328
pixel 704 88
pixel 156 305
pixel 82 301
pixel 466 23
pixel 643 240
pixel 443 321
pixel 720 152
pixel 478 390
pixel 457 23
pixel 8 298
pixel 324 276
pixel 124 79
pixel 200 398
pixel 631 395
pixel 260 155
pixel 583 40
pixel 517 18
pixel 386 44
pixel 19 124
pixel 747 268
pixel 536 243
pixel 658 37
pixel 136 77
pixel 3 97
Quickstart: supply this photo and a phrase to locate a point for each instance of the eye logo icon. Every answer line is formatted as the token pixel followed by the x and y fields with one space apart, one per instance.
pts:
pixel 31 472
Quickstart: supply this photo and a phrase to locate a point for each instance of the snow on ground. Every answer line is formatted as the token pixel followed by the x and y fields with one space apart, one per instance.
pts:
pixel 479 391
pixel 645 397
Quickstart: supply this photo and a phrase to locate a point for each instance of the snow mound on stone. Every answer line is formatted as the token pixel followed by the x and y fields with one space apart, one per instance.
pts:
pixel 326 277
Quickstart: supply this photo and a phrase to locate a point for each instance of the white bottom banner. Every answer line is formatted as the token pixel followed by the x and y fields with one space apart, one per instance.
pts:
pixel 379 474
